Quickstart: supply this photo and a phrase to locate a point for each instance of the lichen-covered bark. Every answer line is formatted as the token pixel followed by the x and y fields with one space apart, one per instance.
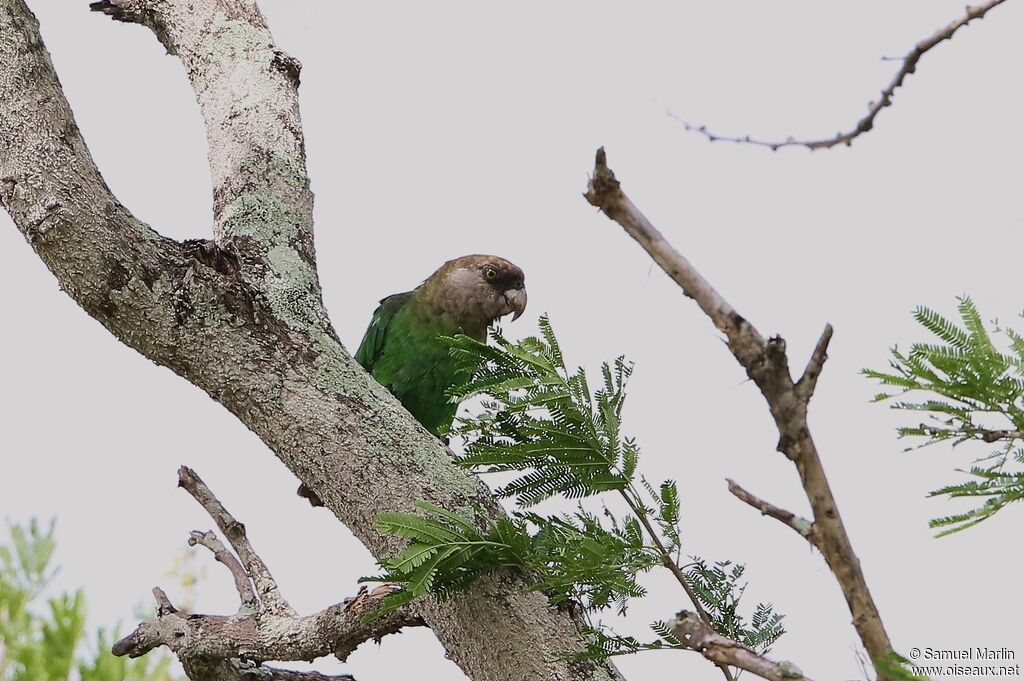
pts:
pixel 237 317
pixel 247 93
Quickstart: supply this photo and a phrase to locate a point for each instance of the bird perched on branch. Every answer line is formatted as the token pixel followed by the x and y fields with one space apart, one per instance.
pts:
pixel 402 349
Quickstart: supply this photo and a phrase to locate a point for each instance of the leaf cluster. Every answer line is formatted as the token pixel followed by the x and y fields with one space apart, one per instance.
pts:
pixel 574 559
pixel 971 390
pixel 719 589
pixel 543 423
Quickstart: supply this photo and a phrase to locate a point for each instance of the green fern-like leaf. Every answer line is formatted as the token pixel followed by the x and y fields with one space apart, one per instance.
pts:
pixel 543 421
pixel 562 439
pixel 966 385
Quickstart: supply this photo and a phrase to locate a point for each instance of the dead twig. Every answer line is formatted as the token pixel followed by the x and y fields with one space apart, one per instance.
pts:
pixel 867 122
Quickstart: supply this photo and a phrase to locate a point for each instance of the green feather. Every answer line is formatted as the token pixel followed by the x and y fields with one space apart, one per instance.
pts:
pixel 402 350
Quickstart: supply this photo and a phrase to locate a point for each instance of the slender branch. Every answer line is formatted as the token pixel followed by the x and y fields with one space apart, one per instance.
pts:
pixel 766 363
pixel 604 192
pixel 693 633
pixel 666 558
pixel 220 552
pixel 803 527
pixel 996 435
pixel 269 593
pixel 971 433
pixel 867 122
pixel 672 566
pixel 809 381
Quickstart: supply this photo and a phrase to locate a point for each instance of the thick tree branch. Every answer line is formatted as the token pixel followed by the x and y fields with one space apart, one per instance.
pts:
pixel 802 526
pixel 867 122
pixel 230 321
pixel 256 637
pixel 216 647
pixel 767 365
pixel 247 91
pixel 694 633
pixel 271 674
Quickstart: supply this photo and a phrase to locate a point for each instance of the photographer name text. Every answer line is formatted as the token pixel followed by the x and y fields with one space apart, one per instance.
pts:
pixel 975 653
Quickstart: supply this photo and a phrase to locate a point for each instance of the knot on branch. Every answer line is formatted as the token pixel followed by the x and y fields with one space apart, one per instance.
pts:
pixel 288 65
pixel 128 11
pixel 603 189
pixel 212 255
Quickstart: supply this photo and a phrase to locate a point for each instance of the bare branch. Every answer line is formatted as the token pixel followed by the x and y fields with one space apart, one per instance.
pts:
pixel 803 527
pixel 269 593
pixel 217 647
pixel 866 123
pixel 605 193
pixel 767 365
pixel 996 435
pixel 693 633
pixel 220 552
pixel 809 381
pixel 163 603
pixel 258 637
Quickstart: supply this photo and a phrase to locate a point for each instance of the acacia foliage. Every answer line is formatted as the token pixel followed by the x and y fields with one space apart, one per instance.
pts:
pixel 969 385
pixel 543 424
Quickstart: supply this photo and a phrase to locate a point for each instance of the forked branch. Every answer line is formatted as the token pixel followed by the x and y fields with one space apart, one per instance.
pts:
pixel 767 364
pixel 247 89
pixel 265 628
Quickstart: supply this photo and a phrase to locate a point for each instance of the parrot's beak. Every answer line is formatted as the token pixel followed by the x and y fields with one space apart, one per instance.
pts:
pixel 515 298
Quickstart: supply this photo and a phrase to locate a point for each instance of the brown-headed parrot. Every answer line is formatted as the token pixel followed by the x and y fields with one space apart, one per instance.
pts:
pixel 402 349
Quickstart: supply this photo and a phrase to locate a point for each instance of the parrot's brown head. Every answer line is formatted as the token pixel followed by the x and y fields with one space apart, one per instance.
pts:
pixel 477 290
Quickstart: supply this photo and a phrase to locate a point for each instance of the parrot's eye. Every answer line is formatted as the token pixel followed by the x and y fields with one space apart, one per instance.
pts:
pixel 490 273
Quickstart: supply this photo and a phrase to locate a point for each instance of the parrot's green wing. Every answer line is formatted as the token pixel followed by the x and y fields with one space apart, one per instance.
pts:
pixel 372 346
pixel 403 351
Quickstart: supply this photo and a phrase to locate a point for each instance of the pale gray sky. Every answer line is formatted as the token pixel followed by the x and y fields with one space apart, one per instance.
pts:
pixel 444 128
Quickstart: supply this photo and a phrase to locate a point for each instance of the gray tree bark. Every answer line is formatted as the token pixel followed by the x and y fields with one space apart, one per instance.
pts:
pixel 240 316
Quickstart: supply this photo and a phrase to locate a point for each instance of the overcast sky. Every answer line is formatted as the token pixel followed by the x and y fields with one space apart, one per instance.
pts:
pixel 436 129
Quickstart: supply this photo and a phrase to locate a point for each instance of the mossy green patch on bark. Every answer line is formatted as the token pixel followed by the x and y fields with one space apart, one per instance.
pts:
pixel 238 40
pixel 291 171
pixel 291 289
pixel 262 217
